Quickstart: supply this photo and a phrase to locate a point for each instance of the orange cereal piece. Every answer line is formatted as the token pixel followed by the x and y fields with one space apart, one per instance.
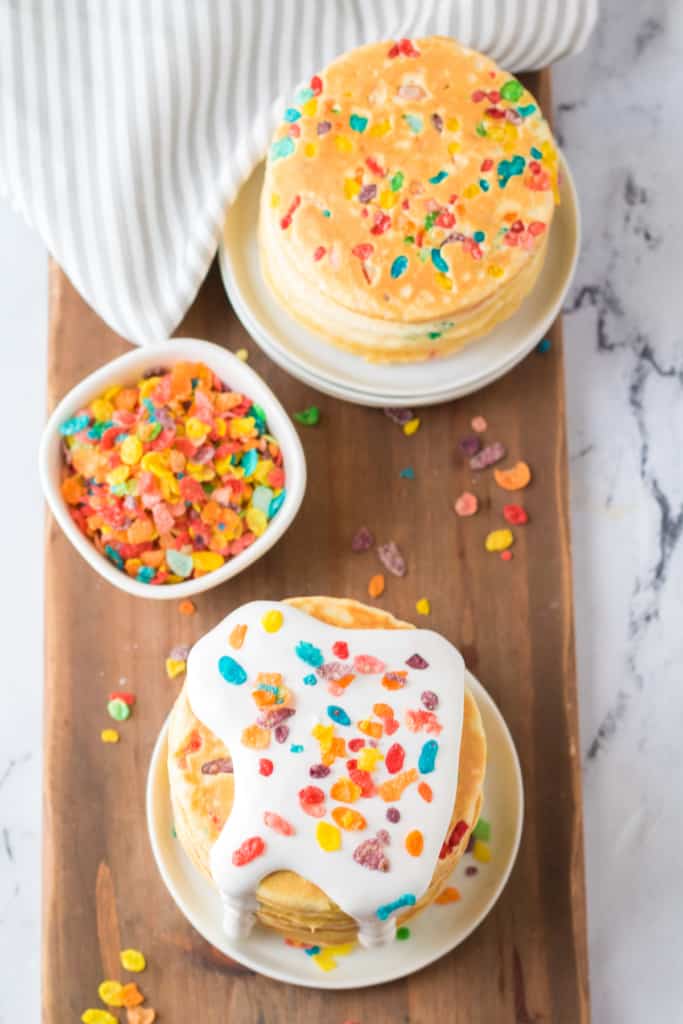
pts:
pixel 392 789
pixel 425 792
pixel 376 585
pixel 336 748
pixel 415 843
pixel 349 819
pixel 514 479
pixel 256 737
pixel 448 895
pixel 370 728
pixel 394 681
pixel 73 490
pixel 236 638
pixel 263 698
pixel 383 710
pixel 131 995
pixel 141 1015
pixel 187 607
pixel 344 681
pixel 345 790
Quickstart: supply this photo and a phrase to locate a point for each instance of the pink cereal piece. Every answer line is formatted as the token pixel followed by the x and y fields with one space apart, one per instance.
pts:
pixel 467 504
pixel 366 664
pixel 478 424
pixel 278 823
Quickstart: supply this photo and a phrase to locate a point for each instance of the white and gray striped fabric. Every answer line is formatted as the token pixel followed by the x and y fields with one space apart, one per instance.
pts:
pixel 126 126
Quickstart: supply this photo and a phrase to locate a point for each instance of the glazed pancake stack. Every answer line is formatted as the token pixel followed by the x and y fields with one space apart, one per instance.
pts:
pixel 326 767
pixel 407 201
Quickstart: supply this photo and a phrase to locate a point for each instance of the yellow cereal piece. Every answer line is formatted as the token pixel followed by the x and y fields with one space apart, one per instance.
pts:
pixel 370 728
pixel 310 107
pixel 412 426
pixel 242 426
pixel 349 819
pixel 207 561
pixel 452 124
pixel 328 836
pixel 423 607
pixel 132 960
pixel 345 790
pixel 444 281
pixel 112 392
pixel 174 667
pixel 131 450
pixel 243 357
pixel 380 129
pixel 481 851
pixel 326 958
pixel 454 147
pixel 351 187
pixel 109 736
pixel 495 270
pixel 119 475
pixel 257 520
pixel 368 758
pixel 110 992
pixel 263 470
pixel 272 620
pixel 499 540
pixel 98 1017
pixel 470 191
pixel 274 200
pixel 388 199
pixel 310 149
pixel 147 386
pixel 343 144
pixel 102 410
pixel 196 430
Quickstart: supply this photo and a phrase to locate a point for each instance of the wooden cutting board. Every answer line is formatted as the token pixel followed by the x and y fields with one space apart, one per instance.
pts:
pixel 513 622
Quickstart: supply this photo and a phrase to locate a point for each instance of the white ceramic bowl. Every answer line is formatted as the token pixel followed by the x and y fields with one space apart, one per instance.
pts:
pixel 233 372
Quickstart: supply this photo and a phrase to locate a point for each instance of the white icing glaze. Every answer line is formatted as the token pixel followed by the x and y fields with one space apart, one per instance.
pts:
pixel 227 709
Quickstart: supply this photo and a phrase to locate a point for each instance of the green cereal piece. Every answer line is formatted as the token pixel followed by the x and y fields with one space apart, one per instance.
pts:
pixel 482 830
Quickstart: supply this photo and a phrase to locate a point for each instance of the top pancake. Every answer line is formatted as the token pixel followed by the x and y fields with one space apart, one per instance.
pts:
pixel 410 180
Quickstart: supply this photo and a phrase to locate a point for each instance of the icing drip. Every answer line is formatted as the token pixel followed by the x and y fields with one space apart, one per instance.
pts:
pixel 358 744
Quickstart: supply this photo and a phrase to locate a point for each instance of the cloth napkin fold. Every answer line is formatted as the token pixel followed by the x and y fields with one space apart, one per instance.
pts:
pixel 127 127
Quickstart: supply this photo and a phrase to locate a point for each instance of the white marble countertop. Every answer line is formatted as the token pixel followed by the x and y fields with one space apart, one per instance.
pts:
pixel 619 118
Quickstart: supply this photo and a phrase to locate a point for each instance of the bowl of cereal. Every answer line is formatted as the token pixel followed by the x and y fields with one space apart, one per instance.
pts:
pixel 172 468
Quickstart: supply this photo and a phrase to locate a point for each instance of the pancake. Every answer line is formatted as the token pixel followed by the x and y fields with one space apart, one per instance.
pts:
pixel 407 199
pixel 203 794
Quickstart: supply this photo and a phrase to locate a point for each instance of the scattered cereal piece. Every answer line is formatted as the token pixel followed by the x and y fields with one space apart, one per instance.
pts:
pixel 411 427
pixel 470 445
pixel 478 424
pixel 417 661
pixel 514 479
pixel 394 758
pixel 141 1015
pixel 391 558
pixel 272 620
pixel 248 851
pixel 109 736
pixel 427 759
pixel 278 823
pixel 231 671
pixel 98 1017
pixel 187 607
pixel 362 540
pixel 118 709
pixel 385 911
pixel 368 665
pixel 328 836
pixel 370 854
pixel 349 819
pixel 265 766
pixel 408 473
pixel 237 635
pixel 309 653
pixel 255 737
pixel 467 504
pixel 425 792
pixel 376 585
pixel 368 758
pixel 402 933
pixel 482 830
pixel 423 607
pixel 488 456
pixel 242 355
pixel 110 992
pixel 516 515
pixel 499 540
pixel 415 843
pixel 544 346
pixel 448 895
pixel 393 815
pixel 392 789
pixel 429 699
pixel 399 416
pixel 310 417
pixel 131 995
pixel 481 851
pixel 506 556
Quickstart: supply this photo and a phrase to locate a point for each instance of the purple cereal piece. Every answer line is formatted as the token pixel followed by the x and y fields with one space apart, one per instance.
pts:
pixel 362 540
pixel 399 416
pixel 417 661
pixel 470 445
pixel 323 127
pixel 371 855
pixel 269 718
pixel 393 815
pixel 384 837
pixel 318 771
pixel 367 193
pixel 179 652
pixel 391 558
pixel 488 456
pixel 430 700
pixel 218 767
pixel 437 121
pixel 281 733
pixel 471 870
pixel 333 671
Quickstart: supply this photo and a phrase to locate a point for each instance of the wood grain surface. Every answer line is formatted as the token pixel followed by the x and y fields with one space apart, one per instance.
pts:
pixel 527 962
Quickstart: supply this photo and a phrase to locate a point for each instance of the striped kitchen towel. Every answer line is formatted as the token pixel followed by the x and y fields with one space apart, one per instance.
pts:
pixel 126 127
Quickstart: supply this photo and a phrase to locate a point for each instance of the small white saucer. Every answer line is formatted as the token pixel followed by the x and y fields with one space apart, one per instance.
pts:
pixel 436 931
pixel 343 375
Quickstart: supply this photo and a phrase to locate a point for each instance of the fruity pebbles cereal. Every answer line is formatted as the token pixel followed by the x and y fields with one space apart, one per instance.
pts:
pixel 172 476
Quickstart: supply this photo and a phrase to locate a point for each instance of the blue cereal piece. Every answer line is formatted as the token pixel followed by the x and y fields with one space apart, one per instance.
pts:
pixel 309 653
pixel 509 168
pixel 74 425
pixel 231 671
pixel 543 346
pixel 427 761
pixel 440 176
pixel 296 748
pixel 262 498
pixel 414 122
pixel 276 504
pixel 387 909
pixel 399 266
pixel 145 574
pixel 281 148
pixel 358 123
pixel 292 115
pixel 312 950
pixel 439 262
pixel 113 556
pixel 338 715
pixel 408 473
pixel 249 462
pixel 310 680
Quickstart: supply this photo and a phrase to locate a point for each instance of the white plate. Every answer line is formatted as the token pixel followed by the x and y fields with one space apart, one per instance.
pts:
pixel 316 362
pixel 434 932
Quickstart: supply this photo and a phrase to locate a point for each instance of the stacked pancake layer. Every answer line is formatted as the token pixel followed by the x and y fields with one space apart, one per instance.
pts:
pixel 408 196
pixel 356 821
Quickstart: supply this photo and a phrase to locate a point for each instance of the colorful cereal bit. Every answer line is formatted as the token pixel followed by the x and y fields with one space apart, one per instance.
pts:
pixel 370 854
pixel 423 607
pixel 265 766
pixel 516 515
pixel 272 620
pixel 411 427
pixel 394 680
pixel 489 455
pixel 231 671
pixel 466 504
pixel 427 759
pixel 118 709
pixel 543 346
pixel 109 736
pixel 392 789
pixel 382 711
pixel 255 737
pixel 370 728
pixel 338 715
pixel 394 758
pixel 393 815
pixel 237 636
pixel 470 445
pixel 376 585
pixel 94 1016
pixel 482 830
pixel 506 556
pixel 328 837
pixel 392 558
pixel 310 654
pixel 141 1015
pixel 417 661
pixel 278 823
pixel 368 759
pixel 481 851
pixel 425 791
pixel 387 909
pixel 345 790
pixel 349 819
pixel 448 895
pixel 367 664
pixel 499 540
pixel 362 540
pixel 249 850
pixel 363 780
pixel 414 843
pixel 131 995
pixel 514 479
pixel 110 992
pixel 309 417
